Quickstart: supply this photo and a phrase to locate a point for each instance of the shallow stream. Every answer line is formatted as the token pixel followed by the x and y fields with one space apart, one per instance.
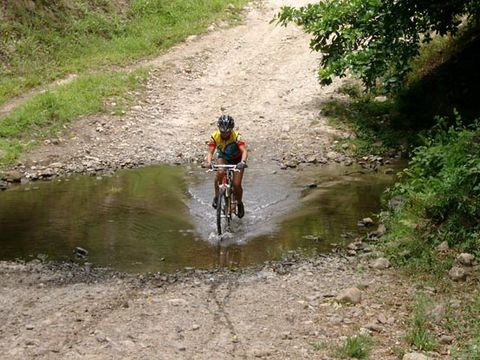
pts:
pixel 160 218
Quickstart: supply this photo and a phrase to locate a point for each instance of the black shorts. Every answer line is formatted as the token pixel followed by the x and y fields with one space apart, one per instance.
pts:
pixel 232 161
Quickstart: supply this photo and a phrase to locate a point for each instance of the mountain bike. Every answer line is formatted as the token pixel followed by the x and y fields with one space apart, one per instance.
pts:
pixel 226 203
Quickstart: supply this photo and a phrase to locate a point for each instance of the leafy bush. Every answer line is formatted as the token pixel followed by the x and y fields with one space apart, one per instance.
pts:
pixel 440 192
pixel 376 39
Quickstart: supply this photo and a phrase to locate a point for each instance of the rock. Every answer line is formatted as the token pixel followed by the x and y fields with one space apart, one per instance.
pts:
pixel 291 164
pixel 381 230
pixel 351 295
pixel 56 165
pixel 396 202
pixel 382 319
pixel 79 251
pixel 457 273
pixel 365 222
pixel 13 176
pixel 443 247
pixel 380 264
pixel 446 339
pixel 177 302
pixel 331 155
pixel 415 356
pixel 3 185
pixel 357 245
pixel 374 327
pixel 466 259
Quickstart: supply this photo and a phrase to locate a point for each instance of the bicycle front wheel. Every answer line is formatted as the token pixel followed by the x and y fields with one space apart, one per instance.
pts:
pixel 223 215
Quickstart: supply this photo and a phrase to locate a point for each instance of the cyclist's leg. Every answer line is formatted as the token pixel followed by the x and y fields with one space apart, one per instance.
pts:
pixel 217 181
pixel 237 185
pixel 238 192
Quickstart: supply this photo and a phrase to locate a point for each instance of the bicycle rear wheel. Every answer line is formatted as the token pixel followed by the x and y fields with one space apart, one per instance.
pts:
pixel 223 215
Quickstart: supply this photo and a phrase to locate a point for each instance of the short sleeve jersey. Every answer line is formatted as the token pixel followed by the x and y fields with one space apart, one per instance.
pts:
pixel 228 149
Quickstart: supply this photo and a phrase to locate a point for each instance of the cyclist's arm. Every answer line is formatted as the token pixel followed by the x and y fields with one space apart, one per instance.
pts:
pixel 244 152
pixel 211 151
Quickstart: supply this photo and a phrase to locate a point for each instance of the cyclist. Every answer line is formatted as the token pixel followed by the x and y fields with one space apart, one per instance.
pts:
pixel 231 149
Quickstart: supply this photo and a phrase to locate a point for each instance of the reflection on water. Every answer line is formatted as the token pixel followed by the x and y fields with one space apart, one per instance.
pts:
pixel 160 218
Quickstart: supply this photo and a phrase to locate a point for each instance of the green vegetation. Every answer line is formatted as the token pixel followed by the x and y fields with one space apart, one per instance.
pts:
pixel 44 41
pixel 418 334
pixel 47 112
pixel 376 39
pixel 440 195
pixel 356 347
pixel 319 345
pixel 468 325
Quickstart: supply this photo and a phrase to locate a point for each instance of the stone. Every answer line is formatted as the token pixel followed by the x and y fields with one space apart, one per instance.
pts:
pixel 81 252
pixel 466 259
pixel 457 273
pixel 13 176
pixel 443 247
pixel 374 327
pixel 415 356
pixel 56 165
pixel 177 302
pixel 446 339
pixel 366 222
pixel 381 230
pixel 380 264
pixel 351 295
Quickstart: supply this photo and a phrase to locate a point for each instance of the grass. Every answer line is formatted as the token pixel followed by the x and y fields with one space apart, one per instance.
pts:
pixel 467 326
pixel 48 112
pixel 49 40
pixel 319 345
pixel 419 334
pixel 52 40
pixel 356 347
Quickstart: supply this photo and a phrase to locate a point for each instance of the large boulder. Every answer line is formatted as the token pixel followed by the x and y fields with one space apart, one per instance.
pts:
pixel 351 296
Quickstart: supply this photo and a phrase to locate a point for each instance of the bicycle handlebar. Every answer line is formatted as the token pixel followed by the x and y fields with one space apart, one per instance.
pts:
pixel 227 167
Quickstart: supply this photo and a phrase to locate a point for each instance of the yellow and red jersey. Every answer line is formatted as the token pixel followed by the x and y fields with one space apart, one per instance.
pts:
pixel 228 149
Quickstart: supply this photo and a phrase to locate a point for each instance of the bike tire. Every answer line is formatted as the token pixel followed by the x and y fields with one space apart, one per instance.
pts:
pixel 223 216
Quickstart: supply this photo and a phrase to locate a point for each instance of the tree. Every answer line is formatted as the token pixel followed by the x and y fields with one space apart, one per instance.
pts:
pixel 376 39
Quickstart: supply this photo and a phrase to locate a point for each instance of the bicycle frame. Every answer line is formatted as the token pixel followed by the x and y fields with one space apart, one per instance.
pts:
pixel 226 205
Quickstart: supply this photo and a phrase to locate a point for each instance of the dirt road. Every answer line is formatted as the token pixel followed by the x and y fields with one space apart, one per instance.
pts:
pixel 263 75
pixel 282 310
